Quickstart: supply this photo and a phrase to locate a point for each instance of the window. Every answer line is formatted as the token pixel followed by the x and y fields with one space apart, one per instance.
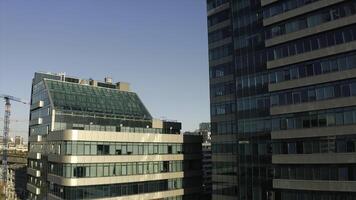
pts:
pixel 348 117
pixel 296 97
pixel 329 92
pixel 345 90
pixel 79 172
pixel 103 149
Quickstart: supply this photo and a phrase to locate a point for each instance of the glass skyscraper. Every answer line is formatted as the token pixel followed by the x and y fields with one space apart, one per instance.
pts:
pixel 282 91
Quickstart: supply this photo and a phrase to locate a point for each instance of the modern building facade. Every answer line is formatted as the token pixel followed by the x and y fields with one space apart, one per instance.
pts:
pixel 96 140
pixel 16 182
pixel 205 132
pixel 282 93
pixel 207 170
pixel 16 176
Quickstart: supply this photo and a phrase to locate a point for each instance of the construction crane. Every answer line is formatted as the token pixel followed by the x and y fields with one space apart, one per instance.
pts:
pixel 7 99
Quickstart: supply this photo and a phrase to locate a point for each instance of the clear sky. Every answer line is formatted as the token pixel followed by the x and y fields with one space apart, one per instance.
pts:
pixel 159 46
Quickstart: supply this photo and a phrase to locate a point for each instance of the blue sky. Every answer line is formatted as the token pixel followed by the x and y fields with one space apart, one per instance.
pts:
pixel 159 46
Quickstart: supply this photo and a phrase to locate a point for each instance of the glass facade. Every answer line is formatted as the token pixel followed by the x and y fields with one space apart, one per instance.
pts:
pixel 115 190
pixel 253 155
pixel 84 170
pixel 322 16
pixel 338 63
pixel 245 116
pixel 251 87
pixel 316 80
pixel 114 148
pixel 83 98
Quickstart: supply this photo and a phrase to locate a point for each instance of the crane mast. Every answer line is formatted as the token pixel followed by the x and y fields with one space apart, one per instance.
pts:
pixel 7 114
pixel 5 140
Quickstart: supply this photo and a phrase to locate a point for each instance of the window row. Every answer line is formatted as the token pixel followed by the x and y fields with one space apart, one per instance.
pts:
pixel 113 169
pixel 223 128
pixel 312 43
pixel 114 148
pixel 219 17
pixel 40 113
pixel 311 20
pixel 220 52
pixel 318 195
pixel 227 189
pixel 256 103
pixel 76 121
pixel 256 149
pixel 249 40
pixel 252 84
pixel 35 164
pixel 251 62
pixel 222 89
pixel 224 148
pixel 223 108
pixel 341 144
pixel 314 93
pixel 114 190
pixel 211 4
pixel 35 181
pixel 256 125
pixel 221 70
pixel 242 148
pixel 284 6
pixel 314 68
pixel 323 118
pixel 224 168
pixel 246 19
pixel 41 129
pixel 242 5
pixel 219 34
pixel 315 172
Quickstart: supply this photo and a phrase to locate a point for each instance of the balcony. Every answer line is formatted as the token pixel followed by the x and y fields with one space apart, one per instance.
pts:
pixel 37 121
pixel 33 189
pixel 34 155
pixel 38 104
pixel 34 172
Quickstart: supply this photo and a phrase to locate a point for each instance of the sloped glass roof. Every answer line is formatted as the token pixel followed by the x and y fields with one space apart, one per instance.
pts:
pixel 85 98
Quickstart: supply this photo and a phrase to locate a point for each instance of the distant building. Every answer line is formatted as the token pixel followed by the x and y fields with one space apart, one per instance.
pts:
pixel 18 140
pixel 204 131
pixel 16 176
pixel 96 140
pixel 16 182
pixel 207 170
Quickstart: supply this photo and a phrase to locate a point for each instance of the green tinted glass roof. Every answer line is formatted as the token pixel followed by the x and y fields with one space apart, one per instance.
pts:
pixel 76 97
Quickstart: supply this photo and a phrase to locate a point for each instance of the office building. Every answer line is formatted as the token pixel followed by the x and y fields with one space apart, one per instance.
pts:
pixel 242 166
pixel 206 170
pixel 16 182
pixel 18 140
pixel 204 131
pixel 96 140
pixel 15 187
pixel 282 93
